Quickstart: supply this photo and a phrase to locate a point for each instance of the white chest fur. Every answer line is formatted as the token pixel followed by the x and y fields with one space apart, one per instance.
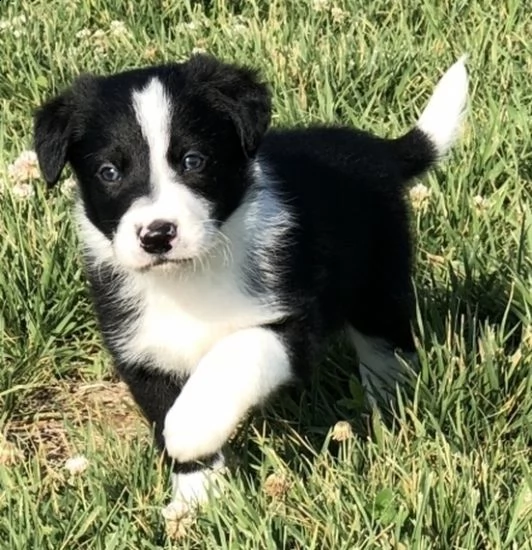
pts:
pixel 183 317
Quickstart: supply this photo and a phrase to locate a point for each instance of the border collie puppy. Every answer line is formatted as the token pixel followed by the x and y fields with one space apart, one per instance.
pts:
pixel 221 256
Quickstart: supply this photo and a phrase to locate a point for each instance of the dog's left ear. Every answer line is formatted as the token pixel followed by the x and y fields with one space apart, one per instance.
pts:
pixel 52 130
pixel 239 93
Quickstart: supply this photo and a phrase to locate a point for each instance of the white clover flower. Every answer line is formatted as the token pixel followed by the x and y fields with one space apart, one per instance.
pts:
pixel 150 53
pixel 338 14
pixel 419 195
pixel 14 25
pixel 98 34
pixel 76 464
pixel 118 28
pixel 276 485
pixel 23 190
pixel 25 167
pixel 198 50
pixel 99 40
pixel 320 5
pixel 83 34
pixel 342 431
pixel 10 454
pixel 480 202
pixel 191 25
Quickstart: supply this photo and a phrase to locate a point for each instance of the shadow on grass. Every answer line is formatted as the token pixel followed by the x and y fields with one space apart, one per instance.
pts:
pixel 466 308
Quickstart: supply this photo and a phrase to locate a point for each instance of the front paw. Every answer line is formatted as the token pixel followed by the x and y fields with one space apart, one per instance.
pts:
pixel 191 490
pixel 191 437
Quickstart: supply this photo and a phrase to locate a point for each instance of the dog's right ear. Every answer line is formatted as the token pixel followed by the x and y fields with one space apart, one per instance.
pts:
pixel 52 131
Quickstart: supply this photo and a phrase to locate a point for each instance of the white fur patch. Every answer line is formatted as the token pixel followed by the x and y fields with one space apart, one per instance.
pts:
pixel 266 224
pixel 153 110
pixel 381 371
pixel 95 244
pixel 441 118
pixel 184 314
pixel 238 373
pixel 193 489
pixel 170 199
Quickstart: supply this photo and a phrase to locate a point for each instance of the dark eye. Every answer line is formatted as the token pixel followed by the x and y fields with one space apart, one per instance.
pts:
pixel 193 162
pixel 109 173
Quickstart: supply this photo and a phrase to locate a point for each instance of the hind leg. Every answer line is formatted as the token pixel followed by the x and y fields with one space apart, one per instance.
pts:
pixel 385 347
pixel 381 365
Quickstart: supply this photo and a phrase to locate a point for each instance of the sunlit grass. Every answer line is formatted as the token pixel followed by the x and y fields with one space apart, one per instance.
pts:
pixel 453 469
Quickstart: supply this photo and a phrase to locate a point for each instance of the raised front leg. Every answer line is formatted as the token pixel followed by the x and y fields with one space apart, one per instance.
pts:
pixel 238 373
pixel 155 393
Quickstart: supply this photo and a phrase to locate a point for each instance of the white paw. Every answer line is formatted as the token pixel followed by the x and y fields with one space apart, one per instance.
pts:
pixel 176 510
pixel 191 490
pixel 192 434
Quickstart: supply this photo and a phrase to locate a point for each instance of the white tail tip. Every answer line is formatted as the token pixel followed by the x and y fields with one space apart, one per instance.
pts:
pixel 441 118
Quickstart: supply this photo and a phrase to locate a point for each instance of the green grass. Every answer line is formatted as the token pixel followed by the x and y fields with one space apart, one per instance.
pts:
pixel 454 468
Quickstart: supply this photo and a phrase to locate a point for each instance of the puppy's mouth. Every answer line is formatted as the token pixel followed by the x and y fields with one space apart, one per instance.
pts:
pixel 162 262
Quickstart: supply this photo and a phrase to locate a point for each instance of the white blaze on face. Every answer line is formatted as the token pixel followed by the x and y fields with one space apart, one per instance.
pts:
pixel 170 200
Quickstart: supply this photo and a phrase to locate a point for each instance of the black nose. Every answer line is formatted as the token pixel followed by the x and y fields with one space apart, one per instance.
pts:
pixel 156 238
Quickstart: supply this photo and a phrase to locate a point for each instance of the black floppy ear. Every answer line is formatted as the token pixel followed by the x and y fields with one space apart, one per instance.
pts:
pixel 251 101
pixel 239 93
pixel 52 129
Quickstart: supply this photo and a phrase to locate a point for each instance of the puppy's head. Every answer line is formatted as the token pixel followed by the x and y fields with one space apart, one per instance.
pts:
pixel 161 154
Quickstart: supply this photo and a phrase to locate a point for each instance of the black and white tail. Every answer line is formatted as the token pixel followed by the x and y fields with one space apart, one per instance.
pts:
pixel 437 126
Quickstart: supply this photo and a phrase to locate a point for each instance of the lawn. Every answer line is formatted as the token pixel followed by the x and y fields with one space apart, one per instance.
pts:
pixel 453 467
